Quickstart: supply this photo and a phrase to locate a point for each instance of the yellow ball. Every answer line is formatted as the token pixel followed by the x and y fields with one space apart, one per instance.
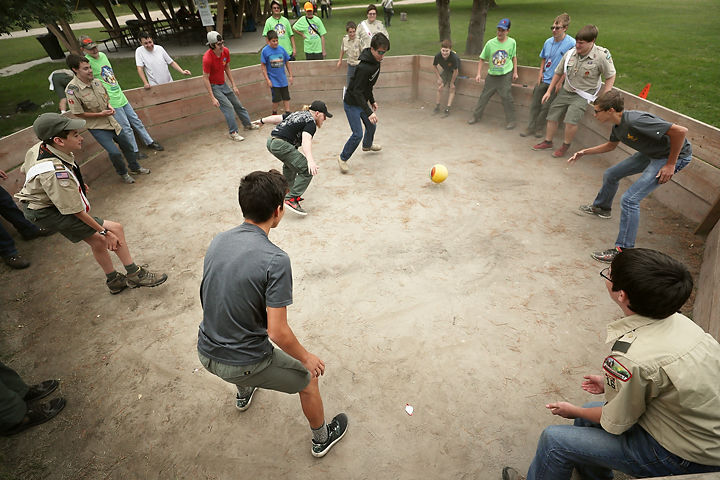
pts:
pixel 439 173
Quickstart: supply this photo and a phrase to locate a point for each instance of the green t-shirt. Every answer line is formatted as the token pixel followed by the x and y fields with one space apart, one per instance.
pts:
pixel 282 28
pixel 313 30
pixel 499 55
pixel 103 71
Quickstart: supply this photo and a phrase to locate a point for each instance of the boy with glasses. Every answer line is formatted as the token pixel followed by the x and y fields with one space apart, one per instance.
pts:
pixel 282 27
pixel 662 151
pixel 370 27
pixel 551 54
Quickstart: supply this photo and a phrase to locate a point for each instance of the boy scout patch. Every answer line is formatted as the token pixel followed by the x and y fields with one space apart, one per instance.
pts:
pixel 59 167
pixel 62 175
pixel 616 369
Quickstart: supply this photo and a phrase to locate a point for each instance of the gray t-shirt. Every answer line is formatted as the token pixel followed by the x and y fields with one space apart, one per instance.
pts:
pixel 647 134
pixel 244 272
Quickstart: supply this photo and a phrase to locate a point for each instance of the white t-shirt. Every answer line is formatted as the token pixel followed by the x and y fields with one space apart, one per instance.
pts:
pixel 155 64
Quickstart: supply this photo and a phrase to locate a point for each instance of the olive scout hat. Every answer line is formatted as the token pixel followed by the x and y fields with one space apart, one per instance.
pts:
pixel 320 106
pixel 49 125
pixel 87 42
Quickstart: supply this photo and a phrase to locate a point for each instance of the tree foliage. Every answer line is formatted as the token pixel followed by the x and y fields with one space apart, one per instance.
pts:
pixel 21 14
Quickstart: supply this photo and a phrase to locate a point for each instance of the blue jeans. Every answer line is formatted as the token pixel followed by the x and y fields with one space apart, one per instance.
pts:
pixel 350 72
pixel 229 106
pixel 126 117
pixel 630 201
pixel 357 118
pixel 11 213
pixel 595 453
pixel 108 138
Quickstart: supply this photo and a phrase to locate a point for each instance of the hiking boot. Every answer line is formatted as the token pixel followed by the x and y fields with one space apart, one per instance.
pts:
pixel 41 390
pixel 593 210
pixel 16 261
pixel 509 473
pixel 140 171
pixel 235 136
pixel 156 146
pixel 336 430
pixel 510 126
pixel 437 109
pixel 251 126
pixel 294 205
pixel 117 284
pixel 372 148
pixel 560 152
pixel 526 133
pixel 606 256
pixel 446 112
pixel 544 145
pixel 243 403
pixel 344 167
pixel 145 278
pixel 37 415
pixel 127 178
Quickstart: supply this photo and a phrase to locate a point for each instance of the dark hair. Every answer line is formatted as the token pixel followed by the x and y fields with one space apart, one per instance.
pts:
pixel 350 25
pixel 49 141
pixel 272 34
pixel 73 61
pixel 379 40
pixel 370 8
pixel 588 33
pixel 656 285
pixel 612 99
pixel 447 43
pixel 144 34
pixel 260 193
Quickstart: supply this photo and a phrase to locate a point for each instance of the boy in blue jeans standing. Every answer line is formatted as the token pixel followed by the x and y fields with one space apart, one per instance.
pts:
pixel 274 59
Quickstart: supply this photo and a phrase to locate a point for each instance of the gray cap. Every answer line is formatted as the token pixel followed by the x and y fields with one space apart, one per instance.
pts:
pixel 213 37
pixel 48 125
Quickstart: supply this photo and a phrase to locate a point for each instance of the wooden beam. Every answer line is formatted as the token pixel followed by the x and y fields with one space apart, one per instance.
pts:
pixel 162 8
pixel 220 16
pixel 111 15
pixel 135 10
pixel 710 219
pixel 99 15
pixel 146 11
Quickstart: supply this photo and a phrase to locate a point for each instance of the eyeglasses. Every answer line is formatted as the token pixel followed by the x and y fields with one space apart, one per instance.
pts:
pixel 596 111
pixel 556 28
pixel 381 52
pixel 372 13
pixel 605 273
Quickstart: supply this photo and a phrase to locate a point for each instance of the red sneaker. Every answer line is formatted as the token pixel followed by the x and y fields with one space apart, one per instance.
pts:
pixel 560 152
pixel 544 145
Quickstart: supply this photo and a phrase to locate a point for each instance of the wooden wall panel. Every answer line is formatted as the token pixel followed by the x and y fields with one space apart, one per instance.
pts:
pixel 707 301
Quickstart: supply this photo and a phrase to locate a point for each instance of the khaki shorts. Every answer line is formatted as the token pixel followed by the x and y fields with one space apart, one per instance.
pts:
pixel 69 226
pixel 279 371
pixel 573 103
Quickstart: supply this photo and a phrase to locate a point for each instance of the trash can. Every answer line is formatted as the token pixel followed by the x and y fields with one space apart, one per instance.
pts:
pixel 51 45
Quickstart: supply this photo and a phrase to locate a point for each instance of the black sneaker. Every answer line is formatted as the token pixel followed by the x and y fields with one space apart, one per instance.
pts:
pixel 156 146
pixel 593 210
pixel 446 112
pixel 437 110
pixel 336 430
pixel 41 390
pixel 37 414
pixel 606 256
pixel 243 403
pixel 117 284
pixel 294 205
pixel 16 261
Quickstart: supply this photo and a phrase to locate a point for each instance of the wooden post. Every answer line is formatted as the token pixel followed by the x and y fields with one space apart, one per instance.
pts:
pixel 100 16
pixel 710 219
pixel 143 5
pixel 220 16
pixel 111 15
pixel 162 8
pixel 135 10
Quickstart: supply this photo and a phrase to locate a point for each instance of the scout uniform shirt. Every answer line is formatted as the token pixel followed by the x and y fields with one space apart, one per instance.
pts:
pixel 52 179
pixel 366 30
pixel 663 375
pixel 351 49
pixel 584 73
pixel 92 98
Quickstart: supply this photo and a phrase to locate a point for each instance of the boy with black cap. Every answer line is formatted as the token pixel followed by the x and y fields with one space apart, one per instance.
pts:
pixel 54 197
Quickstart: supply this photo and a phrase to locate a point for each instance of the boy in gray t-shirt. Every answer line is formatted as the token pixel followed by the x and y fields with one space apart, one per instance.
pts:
pixel 245 291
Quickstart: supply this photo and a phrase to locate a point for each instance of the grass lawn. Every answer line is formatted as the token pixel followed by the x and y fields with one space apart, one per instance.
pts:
pixel 643 37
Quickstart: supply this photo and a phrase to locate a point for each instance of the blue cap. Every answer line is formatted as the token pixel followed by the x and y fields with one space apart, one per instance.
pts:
pixel 504 24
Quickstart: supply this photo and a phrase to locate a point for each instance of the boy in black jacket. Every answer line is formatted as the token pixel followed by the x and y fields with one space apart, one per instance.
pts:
pixel 359 102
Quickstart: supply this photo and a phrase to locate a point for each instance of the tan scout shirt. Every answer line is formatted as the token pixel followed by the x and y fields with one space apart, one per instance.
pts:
pixel 351 49
pixel 366 30
pixel 584 73
pixel 57 186
pixel 665 376
pixel 92 98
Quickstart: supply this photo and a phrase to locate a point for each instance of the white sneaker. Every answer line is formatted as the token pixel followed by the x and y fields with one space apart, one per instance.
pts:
pixel 372 148
pixel 236 137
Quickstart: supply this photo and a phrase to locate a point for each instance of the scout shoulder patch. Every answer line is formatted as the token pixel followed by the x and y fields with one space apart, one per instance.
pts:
pixel 62 175
pixel 59 167
pixel 616 369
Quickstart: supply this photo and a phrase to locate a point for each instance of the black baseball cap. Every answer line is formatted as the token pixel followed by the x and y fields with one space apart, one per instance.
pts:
pixel 319 106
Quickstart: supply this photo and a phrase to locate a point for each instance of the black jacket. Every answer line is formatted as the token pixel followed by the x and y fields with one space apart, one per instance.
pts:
pixel 360 90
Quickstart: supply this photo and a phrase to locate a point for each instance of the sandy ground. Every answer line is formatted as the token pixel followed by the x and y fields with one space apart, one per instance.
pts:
pixel 475 301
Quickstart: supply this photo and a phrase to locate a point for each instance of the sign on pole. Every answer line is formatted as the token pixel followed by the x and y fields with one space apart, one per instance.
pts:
pixel 205 14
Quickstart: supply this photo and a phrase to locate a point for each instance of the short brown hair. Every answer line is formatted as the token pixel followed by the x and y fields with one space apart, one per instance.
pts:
pixel 447 43
pixel 563 20
pixel 588 33
pixel 370 8
pixel 612 99
pixel 350 24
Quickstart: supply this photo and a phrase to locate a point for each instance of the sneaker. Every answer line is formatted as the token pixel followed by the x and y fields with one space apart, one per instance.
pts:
pixel 294 205
pixel 509 473
pixel 446 112
pixel 336 430
pixel 437 109
pixel 372 148
pixel 243 403
pixel 560 152
pixel 127 178
pixel 141 155
pixel 236 137
pixel 344 167
pixel 16 261
pixel 539 134
pixel 593 210
pixel 36 415
pixel 251 126
pixel 510 126
pixel 41 390
pixel 117 284
pixel 526 133
pixel 473 121
pixel 156 146
pixel 140 171
pixel 544 145
pixel 145 278
pixel 606 256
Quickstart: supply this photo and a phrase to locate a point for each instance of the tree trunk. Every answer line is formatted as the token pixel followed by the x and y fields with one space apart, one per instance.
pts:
pixel 220 22
pixel 476 28
pixel 99 15
pixel 443 7
pixel 65 36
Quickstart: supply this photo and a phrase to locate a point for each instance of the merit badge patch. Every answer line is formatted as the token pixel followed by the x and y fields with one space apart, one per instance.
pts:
pixel 62 175
pixel 616 369
pixel 59 167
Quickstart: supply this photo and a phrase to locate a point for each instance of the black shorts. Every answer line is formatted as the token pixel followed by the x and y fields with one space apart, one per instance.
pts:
pixel 280 93
pixel 446 76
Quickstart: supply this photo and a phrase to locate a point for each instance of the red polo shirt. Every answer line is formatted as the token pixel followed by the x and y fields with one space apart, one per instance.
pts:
pixel 215 66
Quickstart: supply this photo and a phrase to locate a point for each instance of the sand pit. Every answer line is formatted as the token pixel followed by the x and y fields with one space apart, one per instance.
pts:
pixel 475 301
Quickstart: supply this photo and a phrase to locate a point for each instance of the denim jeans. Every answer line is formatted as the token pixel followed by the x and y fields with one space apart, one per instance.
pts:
pixel 357 118
pixel 630 201
pixel 350 72
pixel 127 117
pixel 229 106
pixel 595 453
pixel 108 138
pixel 11 213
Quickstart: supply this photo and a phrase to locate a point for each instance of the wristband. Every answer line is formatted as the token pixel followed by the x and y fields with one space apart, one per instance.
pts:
pixel 261 122
pixel 104 232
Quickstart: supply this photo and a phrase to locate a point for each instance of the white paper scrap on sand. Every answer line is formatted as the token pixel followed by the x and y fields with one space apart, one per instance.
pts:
pixel 409 409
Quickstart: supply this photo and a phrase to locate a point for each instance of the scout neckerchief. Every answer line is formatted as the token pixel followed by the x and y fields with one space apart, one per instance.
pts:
pixel 66 171
pixel 590 97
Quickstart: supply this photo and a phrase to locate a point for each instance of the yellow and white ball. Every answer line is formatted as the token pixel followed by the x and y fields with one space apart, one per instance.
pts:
pixel 439 173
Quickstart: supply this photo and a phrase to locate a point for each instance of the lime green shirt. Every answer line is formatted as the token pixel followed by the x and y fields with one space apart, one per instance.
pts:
pixel 103 71
pixel 499 55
